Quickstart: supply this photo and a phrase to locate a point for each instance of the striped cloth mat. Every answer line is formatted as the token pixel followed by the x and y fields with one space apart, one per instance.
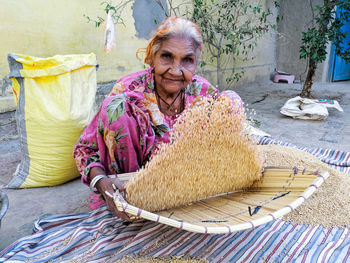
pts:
pixel 98 236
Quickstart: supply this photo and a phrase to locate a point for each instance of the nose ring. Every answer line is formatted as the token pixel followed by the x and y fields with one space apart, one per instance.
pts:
pixel 177 71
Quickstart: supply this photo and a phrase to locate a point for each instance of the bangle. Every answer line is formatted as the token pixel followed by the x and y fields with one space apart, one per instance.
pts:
pixel 95 180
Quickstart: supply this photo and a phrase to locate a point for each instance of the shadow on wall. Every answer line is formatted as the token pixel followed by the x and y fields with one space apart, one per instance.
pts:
pixel 146 24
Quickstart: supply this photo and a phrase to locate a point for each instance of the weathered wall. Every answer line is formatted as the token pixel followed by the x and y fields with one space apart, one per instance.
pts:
pixel 296 16
pixel 46 28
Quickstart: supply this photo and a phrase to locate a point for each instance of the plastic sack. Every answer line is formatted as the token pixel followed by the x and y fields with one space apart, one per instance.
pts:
pixel 55 98
pixel 308 109
pixel 109 39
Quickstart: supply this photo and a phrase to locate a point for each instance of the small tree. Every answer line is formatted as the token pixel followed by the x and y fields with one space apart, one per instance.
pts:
pixel 231 28
pixel 326 28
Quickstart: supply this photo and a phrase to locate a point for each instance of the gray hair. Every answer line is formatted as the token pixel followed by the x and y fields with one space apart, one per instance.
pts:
pixel 174 27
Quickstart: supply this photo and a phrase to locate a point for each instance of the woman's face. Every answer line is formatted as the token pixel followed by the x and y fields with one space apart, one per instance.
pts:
pixel 174 65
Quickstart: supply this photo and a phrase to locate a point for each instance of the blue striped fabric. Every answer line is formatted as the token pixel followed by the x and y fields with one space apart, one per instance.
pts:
pixel 97 236
pixel 100 237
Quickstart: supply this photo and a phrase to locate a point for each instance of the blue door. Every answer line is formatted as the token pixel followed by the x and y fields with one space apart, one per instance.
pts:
pixel 339 69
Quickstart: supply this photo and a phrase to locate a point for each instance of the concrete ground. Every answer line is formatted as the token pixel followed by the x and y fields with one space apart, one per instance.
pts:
pixel 27 205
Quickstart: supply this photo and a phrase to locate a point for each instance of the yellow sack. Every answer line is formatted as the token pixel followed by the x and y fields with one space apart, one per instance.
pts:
pixel 55 98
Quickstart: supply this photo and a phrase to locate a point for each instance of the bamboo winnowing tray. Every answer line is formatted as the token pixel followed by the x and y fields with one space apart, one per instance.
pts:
pixel 279 192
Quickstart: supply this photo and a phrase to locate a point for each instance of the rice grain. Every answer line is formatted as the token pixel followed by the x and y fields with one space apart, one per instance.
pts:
pixel 330 204
pixel 210 154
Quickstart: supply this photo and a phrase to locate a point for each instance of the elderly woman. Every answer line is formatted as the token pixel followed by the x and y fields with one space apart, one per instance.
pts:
pixel 141 110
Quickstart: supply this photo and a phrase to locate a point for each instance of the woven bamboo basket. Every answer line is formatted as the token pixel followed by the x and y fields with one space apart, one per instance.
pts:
pixel 280 191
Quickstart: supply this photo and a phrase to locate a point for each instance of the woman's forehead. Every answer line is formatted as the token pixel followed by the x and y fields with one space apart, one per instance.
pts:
pixel 178 45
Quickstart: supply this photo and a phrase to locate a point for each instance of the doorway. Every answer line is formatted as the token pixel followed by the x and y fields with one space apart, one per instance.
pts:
pixel 339 69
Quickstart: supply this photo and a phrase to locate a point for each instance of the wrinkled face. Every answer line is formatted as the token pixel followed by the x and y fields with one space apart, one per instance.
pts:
pixel 174 65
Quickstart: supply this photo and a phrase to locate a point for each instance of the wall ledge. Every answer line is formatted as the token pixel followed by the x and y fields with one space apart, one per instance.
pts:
pixel 7 104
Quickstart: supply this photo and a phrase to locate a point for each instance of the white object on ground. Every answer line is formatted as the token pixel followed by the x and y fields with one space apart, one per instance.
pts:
pixel 255 131
pixel 309 109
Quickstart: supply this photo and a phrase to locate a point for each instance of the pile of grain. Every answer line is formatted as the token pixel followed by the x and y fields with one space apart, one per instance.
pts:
pixel 330 204
pixel 210 154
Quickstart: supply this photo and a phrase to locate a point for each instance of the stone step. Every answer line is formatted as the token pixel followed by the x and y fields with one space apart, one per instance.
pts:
pixel 7 103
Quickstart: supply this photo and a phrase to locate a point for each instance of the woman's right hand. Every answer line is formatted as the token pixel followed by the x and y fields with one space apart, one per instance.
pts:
pixel 106 185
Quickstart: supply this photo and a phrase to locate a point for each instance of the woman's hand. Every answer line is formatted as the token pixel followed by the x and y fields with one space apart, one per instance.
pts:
pixel 106 185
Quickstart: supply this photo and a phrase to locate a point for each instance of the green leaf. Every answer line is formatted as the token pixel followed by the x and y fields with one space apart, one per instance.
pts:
pixel 118 135
pixel 115 109
pixel 159 130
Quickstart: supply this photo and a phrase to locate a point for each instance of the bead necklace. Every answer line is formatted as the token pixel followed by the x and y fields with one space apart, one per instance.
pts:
pixel 169 108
